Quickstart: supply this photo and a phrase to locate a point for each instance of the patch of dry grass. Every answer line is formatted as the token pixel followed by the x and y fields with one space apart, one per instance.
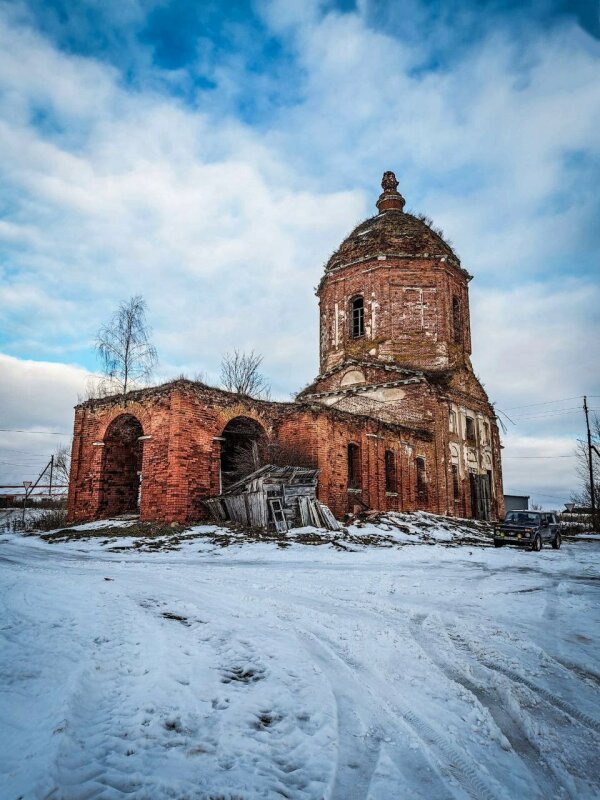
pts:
pixel 147 530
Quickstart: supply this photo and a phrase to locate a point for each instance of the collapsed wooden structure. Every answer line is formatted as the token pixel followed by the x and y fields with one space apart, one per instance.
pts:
pixel 274 498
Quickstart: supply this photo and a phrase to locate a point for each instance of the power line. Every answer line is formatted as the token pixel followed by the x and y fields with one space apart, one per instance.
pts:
pixel 539 494
pixel 29 464
pixel 550 414
pixel 43 433
pixel 553 412
pixel 549 402
pixel 23 452
pixel 574 456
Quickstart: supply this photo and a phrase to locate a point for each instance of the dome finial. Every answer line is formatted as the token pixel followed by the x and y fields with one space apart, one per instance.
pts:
pixel 389 182
pixel 390 198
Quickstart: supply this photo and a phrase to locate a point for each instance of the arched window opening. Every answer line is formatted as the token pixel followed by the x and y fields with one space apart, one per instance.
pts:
pixel 455 483
pixel 456 320
pixel 391 481
pixel 421 480
pixel 490 484
pixel 121 476
pixel 243 444
pixel 486 433
pixel 354 481
pixel 452 422
pixel 470 431
pixel 357 318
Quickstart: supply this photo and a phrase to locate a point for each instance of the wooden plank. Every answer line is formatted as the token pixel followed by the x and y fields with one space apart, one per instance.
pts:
pixel 303 507
pixel 248 509
pixel 328 517
pixel 216 509
pixel 314 514
pixel 258 509
pixel 299 489
pixel 237 509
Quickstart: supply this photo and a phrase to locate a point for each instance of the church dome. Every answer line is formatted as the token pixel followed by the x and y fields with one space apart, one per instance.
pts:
pixel 392 232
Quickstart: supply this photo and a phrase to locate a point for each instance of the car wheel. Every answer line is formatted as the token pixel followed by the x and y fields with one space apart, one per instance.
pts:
pixel 537 543
pixel 556 542
pixel 498 543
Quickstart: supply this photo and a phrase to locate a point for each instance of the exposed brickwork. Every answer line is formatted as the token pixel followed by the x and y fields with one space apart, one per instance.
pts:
pixel 404 386
pixel 412 361
pixel 408 313
pixel 181 459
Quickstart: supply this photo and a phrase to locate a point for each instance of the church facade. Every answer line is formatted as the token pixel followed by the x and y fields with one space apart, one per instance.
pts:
pixel 395 420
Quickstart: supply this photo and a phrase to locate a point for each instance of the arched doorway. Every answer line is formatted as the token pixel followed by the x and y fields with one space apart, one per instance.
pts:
pixel 243 445
pixel 120 482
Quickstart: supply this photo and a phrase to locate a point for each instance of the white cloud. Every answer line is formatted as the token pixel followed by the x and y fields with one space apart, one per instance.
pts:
pixel 35 396
pixel 550 479
pixel 484 146
pixel 202 219
pixel 533 341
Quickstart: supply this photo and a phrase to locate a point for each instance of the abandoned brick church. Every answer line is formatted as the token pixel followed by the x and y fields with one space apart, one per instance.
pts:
pixel 395 420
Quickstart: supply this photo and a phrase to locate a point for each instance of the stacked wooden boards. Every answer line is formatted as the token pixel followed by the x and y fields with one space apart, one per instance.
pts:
pixel 274 498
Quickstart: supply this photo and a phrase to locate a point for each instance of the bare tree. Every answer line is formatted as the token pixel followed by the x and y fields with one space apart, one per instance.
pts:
pixel 124 346
pixel 196 377
pixel 240 373
pixel 62 463
pixel 250 457
pixel 584 497
pixel 96 387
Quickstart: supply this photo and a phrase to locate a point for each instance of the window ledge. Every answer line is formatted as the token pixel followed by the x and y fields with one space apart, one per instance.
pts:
pixel 354 491
pixel 391 494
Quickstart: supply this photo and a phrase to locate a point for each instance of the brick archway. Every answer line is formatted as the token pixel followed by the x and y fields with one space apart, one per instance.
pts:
pixel 136 410
pixel 243 443
pixel 121 470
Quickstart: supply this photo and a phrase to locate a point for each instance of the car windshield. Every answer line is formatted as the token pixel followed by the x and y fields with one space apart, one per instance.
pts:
pixel 522 517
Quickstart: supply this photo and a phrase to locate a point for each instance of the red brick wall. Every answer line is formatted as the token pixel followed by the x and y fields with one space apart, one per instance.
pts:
pixel 408 312
pixel 409 324
pixel 181 459
pixel 88 479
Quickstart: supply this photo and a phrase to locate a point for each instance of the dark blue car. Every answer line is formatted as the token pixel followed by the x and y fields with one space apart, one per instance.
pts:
pixel 528 529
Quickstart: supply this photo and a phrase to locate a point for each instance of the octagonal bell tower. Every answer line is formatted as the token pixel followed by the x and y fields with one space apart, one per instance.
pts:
pixel 394 292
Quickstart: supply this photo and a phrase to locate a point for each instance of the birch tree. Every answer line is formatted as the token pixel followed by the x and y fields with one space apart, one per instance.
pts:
pixel 126 352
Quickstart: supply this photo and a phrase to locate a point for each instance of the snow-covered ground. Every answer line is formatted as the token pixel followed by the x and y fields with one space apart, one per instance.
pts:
pixel 255 671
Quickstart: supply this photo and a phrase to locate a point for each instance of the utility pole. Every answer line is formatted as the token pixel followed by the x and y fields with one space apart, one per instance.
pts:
pixel 29 486
pixel 590 459
pixel 50 481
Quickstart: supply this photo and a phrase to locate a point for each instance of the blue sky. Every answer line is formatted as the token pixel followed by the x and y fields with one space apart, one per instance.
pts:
pixel 212 155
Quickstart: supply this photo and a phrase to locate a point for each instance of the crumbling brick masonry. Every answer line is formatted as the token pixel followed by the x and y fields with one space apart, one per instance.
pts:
pixel 395 420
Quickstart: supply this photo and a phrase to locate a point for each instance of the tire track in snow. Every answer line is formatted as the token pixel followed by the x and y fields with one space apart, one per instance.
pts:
pixel 89 763
pixel 583 673
pixel 547 695
pixel 534 761
pixel 447 758
pixel 354 769
pixel 281 732
pixel 545 779
pixel 543 769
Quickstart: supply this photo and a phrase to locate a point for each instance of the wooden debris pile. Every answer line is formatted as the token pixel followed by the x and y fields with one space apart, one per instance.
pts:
pixel 274 498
